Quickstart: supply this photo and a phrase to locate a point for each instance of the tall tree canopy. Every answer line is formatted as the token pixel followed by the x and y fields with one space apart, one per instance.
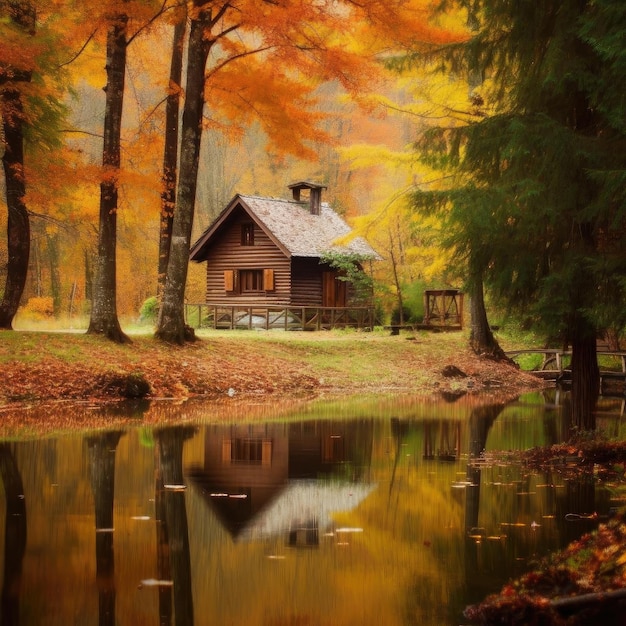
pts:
pixel 539 202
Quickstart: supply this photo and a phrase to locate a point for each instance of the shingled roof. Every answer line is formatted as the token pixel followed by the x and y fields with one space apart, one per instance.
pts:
pixel 292 226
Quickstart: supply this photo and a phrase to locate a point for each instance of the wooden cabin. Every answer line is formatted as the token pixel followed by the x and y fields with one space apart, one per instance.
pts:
pixel 267 252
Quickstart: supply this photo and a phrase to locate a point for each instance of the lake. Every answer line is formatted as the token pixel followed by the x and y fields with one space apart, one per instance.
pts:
pixel 370 510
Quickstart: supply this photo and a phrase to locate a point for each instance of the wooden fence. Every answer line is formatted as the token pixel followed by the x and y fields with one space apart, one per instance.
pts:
pixel 555 363
pixel 283 318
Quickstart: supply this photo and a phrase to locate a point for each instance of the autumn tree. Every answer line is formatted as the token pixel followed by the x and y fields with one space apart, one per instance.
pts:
pixel 541 196
pixel 33 85
pixel 410 242
pixel 104 318
pixel 171 317
pixel 15 71
pixel 383 165
pixel 170 153
pixel 104 304
pixel 431 97
pixel 266 59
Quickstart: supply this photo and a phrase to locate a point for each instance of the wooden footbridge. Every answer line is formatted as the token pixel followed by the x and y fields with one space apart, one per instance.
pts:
pixel 555 363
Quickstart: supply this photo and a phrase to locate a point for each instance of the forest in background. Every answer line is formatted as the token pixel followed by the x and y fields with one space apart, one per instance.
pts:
pixel 359 145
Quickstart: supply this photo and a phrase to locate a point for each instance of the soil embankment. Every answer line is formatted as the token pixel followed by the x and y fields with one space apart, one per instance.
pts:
pixel 43 367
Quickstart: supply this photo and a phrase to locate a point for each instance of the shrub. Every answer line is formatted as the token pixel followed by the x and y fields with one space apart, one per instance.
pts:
pixel 39 308
pixel 413 297
pixel 149 310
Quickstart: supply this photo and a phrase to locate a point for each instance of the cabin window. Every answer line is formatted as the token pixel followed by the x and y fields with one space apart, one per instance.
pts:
pixel 250 280
pixel 246 450
pixel 247 234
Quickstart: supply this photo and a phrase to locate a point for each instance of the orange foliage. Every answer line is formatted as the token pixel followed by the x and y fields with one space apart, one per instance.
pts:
pixel 271 57
pixel 281 85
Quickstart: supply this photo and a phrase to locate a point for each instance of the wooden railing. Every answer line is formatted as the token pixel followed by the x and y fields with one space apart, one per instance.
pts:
pixel 283 318
pixel 555 363
pixel 554 358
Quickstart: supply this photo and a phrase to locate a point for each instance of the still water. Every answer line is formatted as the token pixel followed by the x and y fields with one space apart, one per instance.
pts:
pixel 368 511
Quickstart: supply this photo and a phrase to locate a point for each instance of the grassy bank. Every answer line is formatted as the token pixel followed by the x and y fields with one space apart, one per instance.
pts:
pixel 42 366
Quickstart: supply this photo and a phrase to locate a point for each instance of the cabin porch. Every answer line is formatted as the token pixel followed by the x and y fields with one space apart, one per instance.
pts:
pixel 230 317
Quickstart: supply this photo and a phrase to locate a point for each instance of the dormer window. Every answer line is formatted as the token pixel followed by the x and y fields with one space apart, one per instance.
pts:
pixel 247 234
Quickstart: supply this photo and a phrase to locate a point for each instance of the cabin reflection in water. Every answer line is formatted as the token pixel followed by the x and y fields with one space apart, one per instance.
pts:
pixel 284 480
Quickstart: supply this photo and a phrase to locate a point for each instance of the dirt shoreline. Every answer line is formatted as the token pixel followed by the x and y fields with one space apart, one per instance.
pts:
pixel 41 367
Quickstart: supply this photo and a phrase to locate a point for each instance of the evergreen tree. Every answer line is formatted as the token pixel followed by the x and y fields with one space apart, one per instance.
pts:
pixel 540 197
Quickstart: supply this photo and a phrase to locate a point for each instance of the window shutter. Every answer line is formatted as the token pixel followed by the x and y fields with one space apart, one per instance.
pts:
pixel 266 454
pixel 268 280
pixel 227 447
pixel 229 280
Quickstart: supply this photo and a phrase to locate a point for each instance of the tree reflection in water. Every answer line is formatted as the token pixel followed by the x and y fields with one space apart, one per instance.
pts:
pixel 382 517
pixel 14 535
pixel 480 421
pixel 174 561
pixel 102 448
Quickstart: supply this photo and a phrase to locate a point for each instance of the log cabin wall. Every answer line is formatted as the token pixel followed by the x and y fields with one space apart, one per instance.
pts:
pixel 228 254
pixel 306 286
pixel 307 283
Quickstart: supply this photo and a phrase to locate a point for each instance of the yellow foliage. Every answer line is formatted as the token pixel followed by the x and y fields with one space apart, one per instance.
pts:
pixel 38 308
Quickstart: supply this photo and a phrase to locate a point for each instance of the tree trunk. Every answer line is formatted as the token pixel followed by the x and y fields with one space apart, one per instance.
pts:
pixel 396 281
pixel 104 319
pixel 482 340
pixel 87 257
pixel 18 223
pixel 55 277
pixel 164 566
pixel 171 324
pixel 170 155
pixel 585 375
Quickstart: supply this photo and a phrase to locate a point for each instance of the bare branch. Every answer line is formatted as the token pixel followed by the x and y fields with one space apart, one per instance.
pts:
pixel 80 132
pixel 82 49
pixel 242 55
pixel 151 21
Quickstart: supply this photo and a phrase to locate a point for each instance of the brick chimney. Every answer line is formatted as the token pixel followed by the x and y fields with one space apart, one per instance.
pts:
pixel 315 194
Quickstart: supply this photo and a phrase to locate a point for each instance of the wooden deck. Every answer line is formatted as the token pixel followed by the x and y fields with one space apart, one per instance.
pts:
pixel 278 318
pixel 555 363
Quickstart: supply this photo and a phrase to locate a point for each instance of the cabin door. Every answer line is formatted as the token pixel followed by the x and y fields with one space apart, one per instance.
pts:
pixel 333 290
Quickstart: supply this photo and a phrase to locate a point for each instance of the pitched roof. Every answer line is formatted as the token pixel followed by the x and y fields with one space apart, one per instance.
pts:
pixel 292 227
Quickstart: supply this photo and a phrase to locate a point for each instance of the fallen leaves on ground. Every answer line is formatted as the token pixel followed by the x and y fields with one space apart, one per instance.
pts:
pixel 40 367
pixel 581 585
